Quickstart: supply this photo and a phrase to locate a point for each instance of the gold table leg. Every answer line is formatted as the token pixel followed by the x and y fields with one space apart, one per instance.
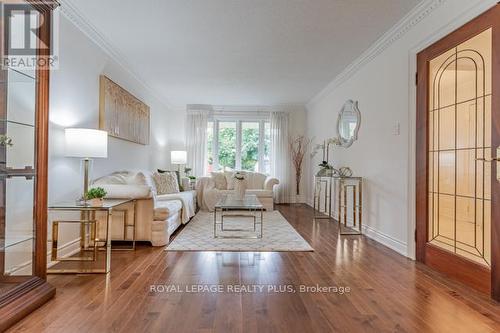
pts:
pixel 126 226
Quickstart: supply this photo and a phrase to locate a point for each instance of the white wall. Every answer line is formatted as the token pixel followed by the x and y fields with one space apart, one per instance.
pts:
pixel 384 87
pixel 74 102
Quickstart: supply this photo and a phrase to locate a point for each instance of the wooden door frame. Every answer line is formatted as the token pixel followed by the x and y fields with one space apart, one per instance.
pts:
pixel 481 279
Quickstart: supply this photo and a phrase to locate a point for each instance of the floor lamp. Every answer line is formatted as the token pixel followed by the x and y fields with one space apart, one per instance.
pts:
pixel 86 144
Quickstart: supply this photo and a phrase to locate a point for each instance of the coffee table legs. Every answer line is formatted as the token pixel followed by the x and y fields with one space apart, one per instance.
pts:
pixel 252 213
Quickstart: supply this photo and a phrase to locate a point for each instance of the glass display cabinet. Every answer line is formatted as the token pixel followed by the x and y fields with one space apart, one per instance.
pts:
pixel 23 167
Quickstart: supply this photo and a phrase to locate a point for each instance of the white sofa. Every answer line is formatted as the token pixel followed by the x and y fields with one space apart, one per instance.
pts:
pixel 210 188
pixel 157 216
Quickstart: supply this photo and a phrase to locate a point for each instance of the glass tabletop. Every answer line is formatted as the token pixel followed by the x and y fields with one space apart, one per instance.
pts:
pixel 107 204
pixel 231 201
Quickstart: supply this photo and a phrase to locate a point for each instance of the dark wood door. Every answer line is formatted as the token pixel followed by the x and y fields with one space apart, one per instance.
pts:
pixel 458 134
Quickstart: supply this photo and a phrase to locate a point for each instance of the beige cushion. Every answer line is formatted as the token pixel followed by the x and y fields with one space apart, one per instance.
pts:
pixel 164 209
pixel 115 191
pixel 229 179
pixel 220 180
pixel 122 178
pixel 255 180
pixel 260 193
pixel 166 182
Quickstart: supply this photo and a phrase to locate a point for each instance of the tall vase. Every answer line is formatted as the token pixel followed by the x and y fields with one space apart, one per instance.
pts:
pixel 240 187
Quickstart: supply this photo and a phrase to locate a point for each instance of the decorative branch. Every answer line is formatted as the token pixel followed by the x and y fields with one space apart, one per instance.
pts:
pixel 298 147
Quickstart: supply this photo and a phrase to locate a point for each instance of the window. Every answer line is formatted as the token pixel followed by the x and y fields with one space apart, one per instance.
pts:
pixel 238 145
pixel 227 145
pixel 250 146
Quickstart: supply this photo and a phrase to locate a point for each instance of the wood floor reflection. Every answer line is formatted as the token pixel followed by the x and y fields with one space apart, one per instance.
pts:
pixel 387 291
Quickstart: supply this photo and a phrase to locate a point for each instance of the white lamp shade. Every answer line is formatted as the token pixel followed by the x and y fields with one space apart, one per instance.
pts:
pixel 178 157
pixel 86 143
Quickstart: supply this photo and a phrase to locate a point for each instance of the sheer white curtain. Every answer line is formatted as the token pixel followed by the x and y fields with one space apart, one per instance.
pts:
pixel 196 140
pixel 280 161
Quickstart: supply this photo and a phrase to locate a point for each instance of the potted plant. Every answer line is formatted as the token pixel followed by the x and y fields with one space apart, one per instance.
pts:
pixel 96 196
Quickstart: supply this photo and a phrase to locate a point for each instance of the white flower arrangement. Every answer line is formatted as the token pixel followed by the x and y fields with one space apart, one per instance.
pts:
pixel 325 146
pixel 334 142
pixel 316 149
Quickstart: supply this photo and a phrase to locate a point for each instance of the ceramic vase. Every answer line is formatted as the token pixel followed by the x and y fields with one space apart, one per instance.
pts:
pixel 96 202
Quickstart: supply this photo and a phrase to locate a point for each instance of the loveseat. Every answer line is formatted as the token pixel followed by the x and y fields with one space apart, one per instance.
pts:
pixel 157 216
pixel 211 188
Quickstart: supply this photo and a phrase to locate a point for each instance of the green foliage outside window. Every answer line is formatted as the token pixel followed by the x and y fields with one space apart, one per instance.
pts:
pixel 227 147
pixel 249 149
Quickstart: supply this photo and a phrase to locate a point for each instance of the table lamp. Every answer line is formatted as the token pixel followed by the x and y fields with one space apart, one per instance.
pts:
pixel 86 143
pixel 178 157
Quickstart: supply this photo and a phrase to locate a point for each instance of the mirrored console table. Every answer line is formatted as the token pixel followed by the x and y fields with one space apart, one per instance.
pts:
pixel 349 203
pixel 345 195
pixel 322 201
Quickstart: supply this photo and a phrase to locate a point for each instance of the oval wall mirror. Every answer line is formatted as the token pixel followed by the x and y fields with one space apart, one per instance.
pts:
pixel 348 123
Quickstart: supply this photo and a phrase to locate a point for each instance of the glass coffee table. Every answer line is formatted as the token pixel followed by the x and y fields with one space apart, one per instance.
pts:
pixel 232 207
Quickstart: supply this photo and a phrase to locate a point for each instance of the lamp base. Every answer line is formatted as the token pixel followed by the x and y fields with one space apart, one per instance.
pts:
pixel 86 167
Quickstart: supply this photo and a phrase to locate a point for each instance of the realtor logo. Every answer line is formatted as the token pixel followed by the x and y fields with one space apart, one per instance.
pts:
pixel 24 47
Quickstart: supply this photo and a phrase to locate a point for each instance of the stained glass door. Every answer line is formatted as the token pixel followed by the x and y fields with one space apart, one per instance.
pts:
pixel 460 149
pixel 458 133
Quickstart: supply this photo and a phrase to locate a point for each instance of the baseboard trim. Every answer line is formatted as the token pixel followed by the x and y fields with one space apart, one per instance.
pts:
pixel 384 239
pixel 66 250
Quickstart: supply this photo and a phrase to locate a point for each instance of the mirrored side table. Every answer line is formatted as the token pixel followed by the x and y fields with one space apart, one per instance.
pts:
pixel 322 197
pixel 92 237
pixel 349 203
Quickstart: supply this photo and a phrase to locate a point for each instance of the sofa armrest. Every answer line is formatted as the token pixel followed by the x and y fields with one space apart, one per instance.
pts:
pixel 204 181
pixel 270 182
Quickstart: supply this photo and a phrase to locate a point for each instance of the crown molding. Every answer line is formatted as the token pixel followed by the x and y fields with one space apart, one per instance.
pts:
pixel 75 16
pixel 289 107
pixel 415 16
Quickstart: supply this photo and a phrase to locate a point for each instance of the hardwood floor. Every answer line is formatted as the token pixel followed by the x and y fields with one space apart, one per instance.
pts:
pixel 388 291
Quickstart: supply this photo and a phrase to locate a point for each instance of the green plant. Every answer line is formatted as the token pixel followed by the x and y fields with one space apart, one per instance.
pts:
pixel 227 148
pixel 192 177
pixel 6 141
pixel 95 193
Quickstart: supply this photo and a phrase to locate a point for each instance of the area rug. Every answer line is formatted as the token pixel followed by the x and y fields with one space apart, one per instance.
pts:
pixel 278 235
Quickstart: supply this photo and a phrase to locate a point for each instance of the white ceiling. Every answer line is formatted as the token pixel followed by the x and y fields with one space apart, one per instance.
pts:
pixel 241 52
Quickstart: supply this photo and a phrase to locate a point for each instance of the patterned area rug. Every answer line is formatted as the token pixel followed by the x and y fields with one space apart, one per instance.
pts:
pixel 278 235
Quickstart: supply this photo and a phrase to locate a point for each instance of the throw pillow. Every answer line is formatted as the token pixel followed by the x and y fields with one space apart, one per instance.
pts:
pixel 177 174
pixel 220 180
pixel 166 183
pixel 229 179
